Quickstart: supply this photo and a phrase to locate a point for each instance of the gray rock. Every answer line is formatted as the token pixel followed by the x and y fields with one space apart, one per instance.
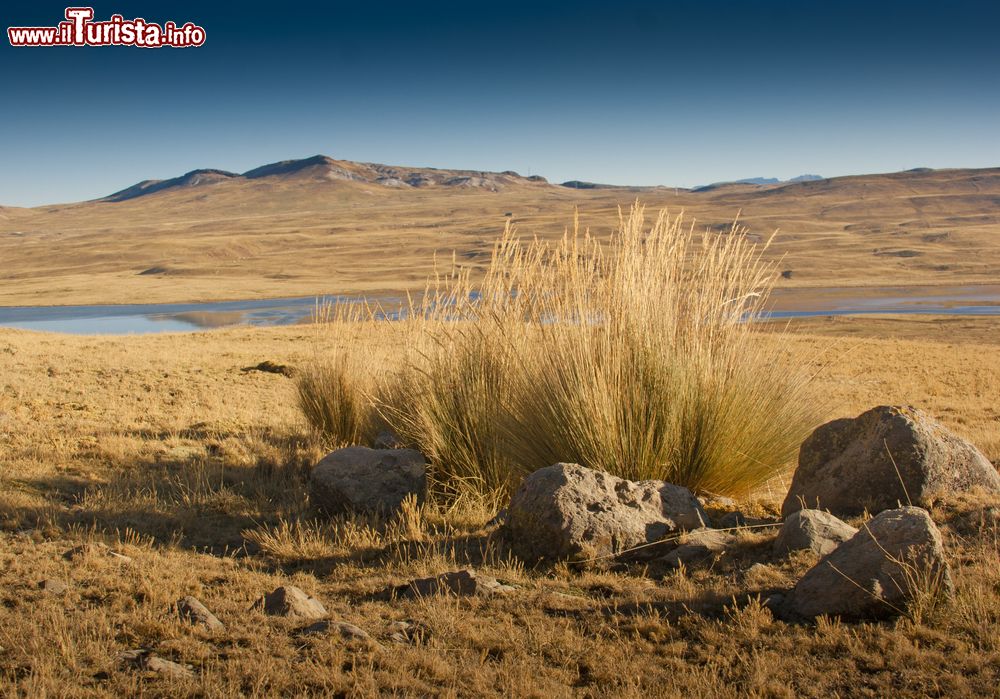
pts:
pixel 776 603
pixel 699 546
pixel 460 583
pixel 359 479
pixel 876 572
pixel 53 586
pixel 407 632
pixel 720 502
pixel 812 530
pixel 194 612
pixel 387 439
pixel 346 631
pixel 290 601
pixel 733 520
pixel 567 511
pixel 142 659
pixel 498 519
pixel 845 465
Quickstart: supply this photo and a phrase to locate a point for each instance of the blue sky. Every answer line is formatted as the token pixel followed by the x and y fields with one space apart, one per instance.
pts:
pixel 677 93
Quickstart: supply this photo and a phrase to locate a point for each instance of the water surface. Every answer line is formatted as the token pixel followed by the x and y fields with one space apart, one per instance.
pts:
pixel 981 300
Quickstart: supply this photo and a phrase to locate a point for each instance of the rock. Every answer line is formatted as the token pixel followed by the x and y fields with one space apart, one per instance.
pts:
pixel 717 502
pixel 812 530
pixel 145 660
pixel 733 520
pixel 407 632
pixel 359 479
pixel 269 367
pixel 776 603
pixel 387 439
pixel 167 668
pixel 290 601
pixel 875 573
pixel 567 511
pixel 53 586
pixel 698 546
pixel 461 583
pixel 348 632
pixel 845 465
pixel 193 611
pixel 498 519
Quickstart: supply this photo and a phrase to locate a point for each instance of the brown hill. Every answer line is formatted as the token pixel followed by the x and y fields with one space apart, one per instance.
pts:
pixel 320 168
pixel 321 225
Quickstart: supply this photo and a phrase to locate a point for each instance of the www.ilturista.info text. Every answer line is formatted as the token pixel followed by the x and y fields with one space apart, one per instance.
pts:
pixel 79 29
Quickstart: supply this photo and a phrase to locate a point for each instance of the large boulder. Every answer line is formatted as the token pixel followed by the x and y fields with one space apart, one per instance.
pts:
pixel 894 557
pixel 881 459
pixel 812 530
pixel 569 512
pixel 359 479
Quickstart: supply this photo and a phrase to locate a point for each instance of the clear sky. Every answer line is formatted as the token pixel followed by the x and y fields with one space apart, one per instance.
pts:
pixel 680 92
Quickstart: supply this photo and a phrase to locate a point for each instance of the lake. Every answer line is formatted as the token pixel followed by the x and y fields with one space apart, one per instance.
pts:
pixel 125 319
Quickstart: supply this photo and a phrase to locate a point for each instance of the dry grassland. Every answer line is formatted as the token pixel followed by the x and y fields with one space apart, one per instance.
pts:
pixel 164 448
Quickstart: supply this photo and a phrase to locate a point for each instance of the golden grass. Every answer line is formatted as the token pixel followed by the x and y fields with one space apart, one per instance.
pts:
pixel 628 354
pixel 336 396
pixel 162 447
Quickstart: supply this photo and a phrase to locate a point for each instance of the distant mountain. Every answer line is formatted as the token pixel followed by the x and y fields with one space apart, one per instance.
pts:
pixel 324 168
pixel 757 181
pixel 579 184
pixel 195 178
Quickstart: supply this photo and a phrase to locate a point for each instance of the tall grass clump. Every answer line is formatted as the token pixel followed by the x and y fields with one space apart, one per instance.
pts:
pixel 632 354
pixel 452 398
pixel 643 362
pixel 336 390
pixel 335 399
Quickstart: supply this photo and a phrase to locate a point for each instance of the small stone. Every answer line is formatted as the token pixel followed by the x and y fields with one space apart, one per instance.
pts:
pixel 290 601
pixel 143 659
pixel 407 632
pixel 193 611
pixel 53 586
pixel 269 367
pixel 699 546
pixel 461 583
pixel 167 668
pixel 348 632
pixel 736 519
pixel 812 530
pixel 717 502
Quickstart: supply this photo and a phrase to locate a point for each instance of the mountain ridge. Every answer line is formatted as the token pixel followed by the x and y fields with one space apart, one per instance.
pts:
pixel 323 167
pixel 320 169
